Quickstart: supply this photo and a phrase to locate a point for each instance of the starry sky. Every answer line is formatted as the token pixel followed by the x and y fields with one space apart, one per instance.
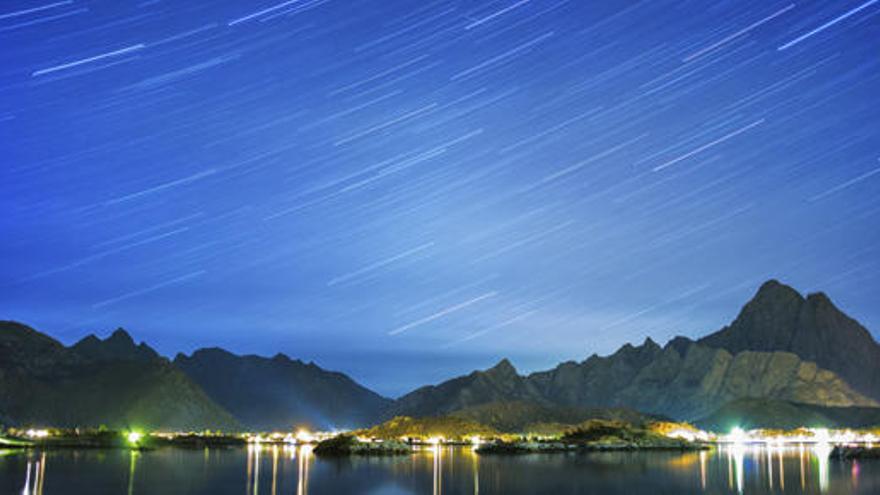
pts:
pixel 408 190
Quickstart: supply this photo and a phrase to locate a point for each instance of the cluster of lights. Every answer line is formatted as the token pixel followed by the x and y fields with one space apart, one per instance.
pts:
pixel 690 435
pixel 37 433
pixel 738 436
pixel 475 440
pixel 301 437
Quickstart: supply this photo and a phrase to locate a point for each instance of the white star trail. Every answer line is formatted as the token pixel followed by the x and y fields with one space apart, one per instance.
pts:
pixel 262 12
pixel 708 145
pixel 35 9
pixel 114 53
pixel 442 313
pixel 827 25
pixel 846 184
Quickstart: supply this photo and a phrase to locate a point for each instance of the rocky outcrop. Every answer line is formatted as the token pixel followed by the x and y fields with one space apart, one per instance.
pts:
pixel 690 386
pixel 596 381
pixel 687 382
pixel 778 318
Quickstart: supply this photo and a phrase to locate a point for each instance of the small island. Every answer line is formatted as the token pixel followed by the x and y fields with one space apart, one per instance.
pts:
pixel 596 435
pixel 345 444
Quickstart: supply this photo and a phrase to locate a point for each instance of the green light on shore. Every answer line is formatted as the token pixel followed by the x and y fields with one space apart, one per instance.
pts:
pixel 134 437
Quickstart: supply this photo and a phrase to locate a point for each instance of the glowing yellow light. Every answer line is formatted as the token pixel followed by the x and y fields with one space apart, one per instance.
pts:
pixel 303 436
pixel 476 440
pixel 134 437
pixel 682 434
pixel 435 440
pixel 37 433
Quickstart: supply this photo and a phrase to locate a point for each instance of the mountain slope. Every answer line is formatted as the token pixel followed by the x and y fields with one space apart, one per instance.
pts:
pixel 683 380
pixel 778 318
pixel 596 381
pixel 112 382
pixel 688 380
pixel 497 384
pixel 769 413
pixel 278 392
pixel 517 416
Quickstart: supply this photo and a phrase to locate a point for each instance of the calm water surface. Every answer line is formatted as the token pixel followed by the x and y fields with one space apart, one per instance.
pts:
pixel 446 470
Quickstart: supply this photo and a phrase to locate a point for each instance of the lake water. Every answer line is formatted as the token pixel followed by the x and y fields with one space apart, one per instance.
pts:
pixel 447 470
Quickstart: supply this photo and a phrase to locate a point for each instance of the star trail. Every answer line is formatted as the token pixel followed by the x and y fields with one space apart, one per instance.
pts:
pixel 408 190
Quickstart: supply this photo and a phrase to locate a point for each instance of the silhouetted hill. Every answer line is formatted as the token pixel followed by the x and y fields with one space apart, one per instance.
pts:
pixel 497 384
pixel 447 427
pixel 280 393
pixel 769 413
pixel 119 346
pixel 518 416
pixel 112 382
pixel 778 318
pixel 489 420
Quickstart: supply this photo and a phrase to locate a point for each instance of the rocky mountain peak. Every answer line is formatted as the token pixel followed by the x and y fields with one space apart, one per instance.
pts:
pixel 774 289
pixel 820 299
pixel 120 338
pixel 503 368
pixel 119 346
pixel 778 318
pixel 768 321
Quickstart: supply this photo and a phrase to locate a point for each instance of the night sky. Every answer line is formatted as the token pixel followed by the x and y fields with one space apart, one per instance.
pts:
pixel 408 190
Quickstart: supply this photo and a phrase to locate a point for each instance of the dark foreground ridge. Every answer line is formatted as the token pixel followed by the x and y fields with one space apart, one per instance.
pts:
pixel 110 382
pixel 279 392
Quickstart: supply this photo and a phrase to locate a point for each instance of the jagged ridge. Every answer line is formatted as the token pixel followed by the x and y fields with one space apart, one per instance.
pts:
pixel 280 393
pixel 770 351
pixel 111 382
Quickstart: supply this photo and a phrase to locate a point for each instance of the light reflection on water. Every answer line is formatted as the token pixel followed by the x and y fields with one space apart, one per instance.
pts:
pixel 276 469
pixel 34 475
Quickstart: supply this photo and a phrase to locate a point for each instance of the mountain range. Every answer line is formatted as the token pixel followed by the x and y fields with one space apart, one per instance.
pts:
pixel 777 348
pixel 783 356
pixel 110 382
pixel 119 384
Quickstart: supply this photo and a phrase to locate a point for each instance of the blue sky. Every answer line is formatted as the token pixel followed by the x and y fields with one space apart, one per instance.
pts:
pixel 406 190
